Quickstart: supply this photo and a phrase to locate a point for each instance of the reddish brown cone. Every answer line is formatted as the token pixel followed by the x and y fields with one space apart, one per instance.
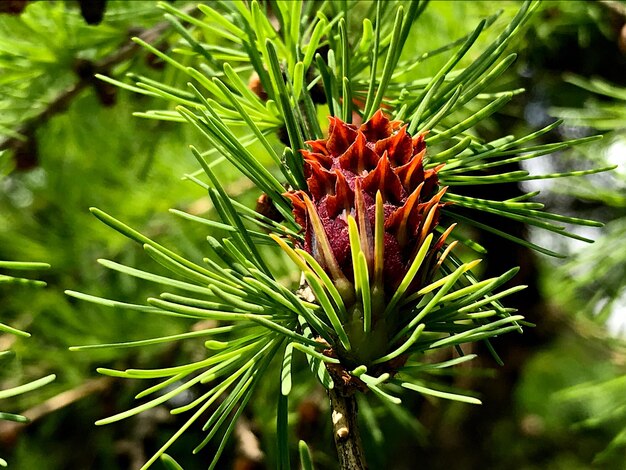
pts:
pixel 345 172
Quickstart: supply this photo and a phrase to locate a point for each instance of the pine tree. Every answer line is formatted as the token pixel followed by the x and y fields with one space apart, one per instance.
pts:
pixel 358 261
pixel 365 210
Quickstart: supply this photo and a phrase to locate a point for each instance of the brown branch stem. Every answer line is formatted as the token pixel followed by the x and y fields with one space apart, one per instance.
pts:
pixel 344 410
pixel 346 430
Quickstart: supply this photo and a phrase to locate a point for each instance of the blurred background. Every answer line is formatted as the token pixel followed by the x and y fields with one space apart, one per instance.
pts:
pixel 69 141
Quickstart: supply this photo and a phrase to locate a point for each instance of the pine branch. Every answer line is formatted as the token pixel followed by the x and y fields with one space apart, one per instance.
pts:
pixel 346 430
pixel 103 66
pixel 365 322
pixel 56 106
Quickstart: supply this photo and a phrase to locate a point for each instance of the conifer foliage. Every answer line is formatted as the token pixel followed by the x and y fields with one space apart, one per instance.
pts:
pixel 367 210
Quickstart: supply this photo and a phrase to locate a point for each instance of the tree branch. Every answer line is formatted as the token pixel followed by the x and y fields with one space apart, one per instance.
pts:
pixel 64 99
pixel 346 430
pixel 344 412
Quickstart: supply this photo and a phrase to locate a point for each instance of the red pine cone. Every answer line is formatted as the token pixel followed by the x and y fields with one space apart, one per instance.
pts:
pixel 345 172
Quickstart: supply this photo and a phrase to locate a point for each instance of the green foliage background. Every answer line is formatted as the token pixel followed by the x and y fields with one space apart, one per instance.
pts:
pixel 94 155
